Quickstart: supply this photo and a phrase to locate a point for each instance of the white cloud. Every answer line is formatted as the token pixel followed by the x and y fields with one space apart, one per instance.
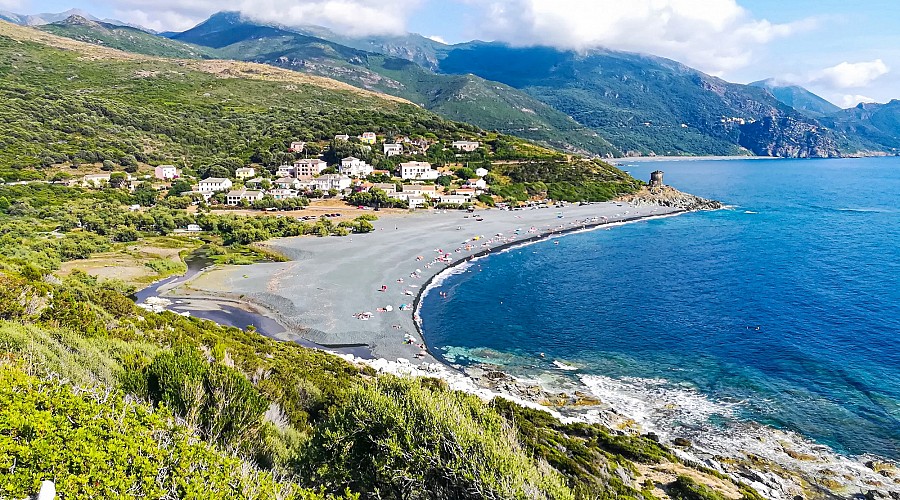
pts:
pixel 848 101
pixel 350 17
pixel 10 4
pixel 851 75
pixel 713 35
pixel 437 38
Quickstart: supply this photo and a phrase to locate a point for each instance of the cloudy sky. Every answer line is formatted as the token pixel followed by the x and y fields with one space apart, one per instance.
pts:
pixel 845 51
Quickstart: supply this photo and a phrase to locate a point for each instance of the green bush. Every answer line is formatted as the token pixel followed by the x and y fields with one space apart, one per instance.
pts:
pixel 166 267
pixel 94 444
pixel 217 399
pixel 397 439
pixel 685 488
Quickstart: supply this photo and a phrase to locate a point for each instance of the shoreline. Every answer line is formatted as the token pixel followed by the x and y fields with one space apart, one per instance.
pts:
pixel 440 276
pixel 486 381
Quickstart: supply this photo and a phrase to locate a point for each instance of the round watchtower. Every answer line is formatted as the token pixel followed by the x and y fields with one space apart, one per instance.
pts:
pixel 656 179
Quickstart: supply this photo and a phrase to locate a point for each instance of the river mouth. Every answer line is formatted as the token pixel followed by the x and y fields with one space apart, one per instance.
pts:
pixel 229 312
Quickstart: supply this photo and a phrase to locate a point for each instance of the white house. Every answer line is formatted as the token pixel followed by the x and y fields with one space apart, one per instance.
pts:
pixel 416 201
pixel 368 138
pixel 256 181
pixel 307 169
pixel 285 171
pixel 418 170
pixel 342 137
pixel 476 183
pixel 95 180
pixel 234 197
pixel 481 172
pixel 464 191
pixel 165 172
pixel 355 167
pixel 282 194
pixel 214 185
pixel 245 172
pixel 194 228
pixel 287 183
pixel 331 181
pixel 455 198
pixel 297 147
pixel 467 146
pixel 393 149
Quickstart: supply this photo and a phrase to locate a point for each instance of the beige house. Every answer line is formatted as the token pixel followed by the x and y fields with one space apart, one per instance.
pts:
pixel 467 146
pixel 245 172
pixel 234 198
pixel 307 169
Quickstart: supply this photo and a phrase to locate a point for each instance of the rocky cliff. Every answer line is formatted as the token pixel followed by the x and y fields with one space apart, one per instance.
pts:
pixel 788 137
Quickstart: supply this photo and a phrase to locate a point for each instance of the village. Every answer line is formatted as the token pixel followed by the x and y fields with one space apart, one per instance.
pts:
pixel 407 185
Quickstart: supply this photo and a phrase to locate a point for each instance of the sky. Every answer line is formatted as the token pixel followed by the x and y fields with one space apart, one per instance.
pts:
pixel 847 52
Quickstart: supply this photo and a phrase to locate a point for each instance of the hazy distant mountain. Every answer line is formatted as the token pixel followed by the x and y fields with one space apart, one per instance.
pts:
pixel 124 38
pixel 798 98
pixel 869 126
pixel 12 17
pixel 49 18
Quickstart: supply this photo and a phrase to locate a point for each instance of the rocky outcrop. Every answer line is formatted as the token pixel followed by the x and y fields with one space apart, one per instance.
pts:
pixel 667 196
pixel 788 137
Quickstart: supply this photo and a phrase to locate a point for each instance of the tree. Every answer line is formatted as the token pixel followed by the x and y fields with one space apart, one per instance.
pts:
pixel 179 186
pixel 117 180
pixel 145 195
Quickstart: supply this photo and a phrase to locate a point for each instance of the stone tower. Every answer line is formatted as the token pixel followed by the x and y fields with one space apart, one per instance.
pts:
pixel 656 179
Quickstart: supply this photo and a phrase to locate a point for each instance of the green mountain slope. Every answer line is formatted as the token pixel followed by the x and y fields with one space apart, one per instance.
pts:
pixel 869 126
pixel 124 38
pixel 488 105
pixel 798 98
pixel 646 104
pixel 75 102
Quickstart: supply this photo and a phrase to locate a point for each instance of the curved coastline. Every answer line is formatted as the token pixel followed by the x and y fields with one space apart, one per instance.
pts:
pixel 436 279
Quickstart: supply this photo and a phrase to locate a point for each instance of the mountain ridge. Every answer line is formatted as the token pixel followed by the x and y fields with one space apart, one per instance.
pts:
pixel 602 102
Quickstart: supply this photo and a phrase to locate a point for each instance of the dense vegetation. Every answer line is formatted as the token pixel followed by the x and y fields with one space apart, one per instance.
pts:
pixel 257 418
pixel 61 109
pixel 109 400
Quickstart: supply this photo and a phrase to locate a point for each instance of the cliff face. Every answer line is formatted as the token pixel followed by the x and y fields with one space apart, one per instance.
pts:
pixel 788 137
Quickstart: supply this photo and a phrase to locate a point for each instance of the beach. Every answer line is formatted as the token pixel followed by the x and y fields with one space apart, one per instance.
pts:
pixel 362 290
pixel 316 298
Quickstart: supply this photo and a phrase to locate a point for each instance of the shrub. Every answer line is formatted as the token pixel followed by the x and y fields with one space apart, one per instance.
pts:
pixel 397 439
pixel 685 488
pixel 95 444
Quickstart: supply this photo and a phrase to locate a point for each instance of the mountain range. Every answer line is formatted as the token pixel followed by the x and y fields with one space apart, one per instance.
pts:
pixel 602 102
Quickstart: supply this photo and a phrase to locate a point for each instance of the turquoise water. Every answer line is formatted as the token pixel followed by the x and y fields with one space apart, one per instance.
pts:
pixel 783 310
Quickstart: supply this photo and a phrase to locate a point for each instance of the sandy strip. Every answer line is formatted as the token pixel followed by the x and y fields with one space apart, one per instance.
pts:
pixel 328 281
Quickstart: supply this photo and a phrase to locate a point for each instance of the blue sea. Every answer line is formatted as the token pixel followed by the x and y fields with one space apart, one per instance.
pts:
pixel 783 310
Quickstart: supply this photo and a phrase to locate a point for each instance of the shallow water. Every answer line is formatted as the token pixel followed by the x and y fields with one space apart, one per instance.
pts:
pixel 784 310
